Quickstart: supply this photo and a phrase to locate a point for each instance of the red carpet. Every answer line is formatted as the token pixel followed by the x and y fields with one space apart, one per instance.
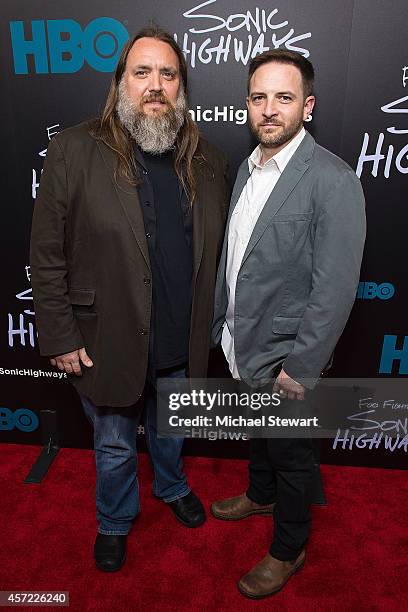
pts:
pixel 357 556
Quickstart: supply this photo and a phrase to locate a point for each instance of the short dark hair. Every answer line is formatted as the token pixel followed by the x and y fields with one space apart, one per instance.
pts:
pixel 281 56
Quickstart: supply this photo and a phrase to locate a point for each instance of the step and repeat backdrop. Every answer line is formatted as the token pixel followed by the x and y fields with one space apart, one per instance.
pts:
pixel 56 65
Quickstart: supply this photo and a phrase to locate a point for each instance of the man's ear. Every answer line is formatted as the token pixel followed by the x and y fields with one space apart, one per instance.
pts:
pixel 308 106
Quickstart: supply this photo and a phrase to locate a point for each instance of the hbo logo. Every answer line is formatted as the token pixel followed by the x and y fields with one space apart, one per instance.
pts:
pixel 61 46
pixel 22 419
pixel 370 291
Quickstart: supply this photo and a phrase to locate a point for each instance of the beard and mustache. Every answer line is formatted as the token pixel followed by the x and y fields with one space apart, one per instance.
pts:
pixel 155 133
pixel 272 139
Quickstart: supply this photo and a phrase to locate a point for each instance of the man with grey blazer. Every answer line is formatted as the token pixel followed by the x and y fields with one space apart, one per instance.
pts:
pixel 286 283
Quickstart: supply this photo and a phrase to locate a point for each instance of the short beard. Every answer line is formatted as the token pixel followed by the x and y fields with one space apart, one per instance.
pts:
pixel 272 141
pixel 153 133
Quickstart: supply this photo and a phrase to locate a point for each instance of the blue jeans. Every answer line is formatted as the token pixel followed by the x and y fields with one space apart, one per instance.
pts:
pixel 117 489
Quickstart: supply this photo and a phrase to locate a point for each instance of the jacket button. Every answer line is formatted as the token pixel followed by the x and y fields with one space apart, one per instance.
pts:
pixel 146 280
pixel 143 332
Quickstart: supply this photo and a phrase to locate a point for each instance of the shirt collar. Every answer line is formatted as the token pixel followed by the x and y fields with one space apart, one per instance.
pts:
pixel 139 155
pixel 281 159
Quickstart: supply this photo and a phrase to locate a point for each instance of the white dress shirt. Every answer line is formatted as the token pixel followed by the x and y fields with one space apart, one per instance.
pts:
pixel 258 188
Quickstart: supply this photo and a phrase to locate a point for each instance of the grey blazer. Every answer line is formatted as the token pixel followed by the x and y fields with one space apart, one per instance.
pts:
pixel 299 274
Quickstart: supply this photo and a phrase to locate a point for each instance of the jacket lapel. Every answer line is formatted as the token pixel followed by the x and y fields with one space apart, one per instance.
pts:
pixel 128 198
pixel 288 180
pixel 240 181
pixel 201 173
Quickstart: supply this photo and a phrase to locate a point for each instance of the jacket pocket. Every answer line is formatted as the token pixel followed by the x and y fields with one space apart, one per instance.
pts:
pixel 82 302
pixel 286 325
pixel 81 297
pixel 299 217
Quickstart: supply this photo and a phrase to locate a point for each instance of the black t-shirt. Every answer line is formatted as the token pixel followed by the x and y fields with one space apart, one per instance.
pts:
pixel 167 219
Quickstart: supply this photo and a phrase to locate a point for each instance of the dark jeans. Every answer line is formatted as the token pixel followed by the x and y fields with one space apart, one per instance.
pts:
pixel 115 431
pixel 281 471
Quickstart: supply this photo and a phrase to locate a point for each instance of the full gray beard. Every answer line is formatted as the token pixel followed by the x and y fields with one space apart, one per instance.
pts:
pixel 153 133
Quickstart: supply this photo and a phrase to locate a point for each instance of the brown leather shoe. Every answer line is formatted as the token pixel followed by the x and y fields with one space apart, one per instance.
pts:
pixel 236 508
pixel 269 576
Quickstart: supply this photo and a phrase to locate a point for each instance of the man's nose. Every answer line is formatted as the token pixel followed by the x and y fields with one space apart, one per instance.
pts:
pixel 270 108
pixel 155 83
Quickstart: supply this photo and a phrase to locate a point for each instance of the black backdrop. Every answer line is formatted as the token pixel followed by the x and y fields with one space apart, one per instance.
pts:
pixel 56 67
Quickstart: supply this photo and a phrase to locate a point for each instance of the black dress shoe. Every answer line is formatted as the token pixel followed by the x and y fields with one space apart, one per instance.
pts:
pixel 110 552
pixel 188 510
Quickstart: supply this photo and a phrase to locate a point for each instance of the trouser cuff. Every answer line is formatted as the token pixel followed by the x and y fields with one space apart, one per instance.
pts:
pixel 255 496
pixel 112 532
pixel 283 553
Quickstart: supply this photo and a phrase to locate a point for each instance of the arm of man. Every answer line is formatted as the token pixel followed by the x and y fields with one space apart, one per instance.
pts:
pixel 221 298
pixel 225 182
pixel 337 253
pixel 219 316
pixel 58 333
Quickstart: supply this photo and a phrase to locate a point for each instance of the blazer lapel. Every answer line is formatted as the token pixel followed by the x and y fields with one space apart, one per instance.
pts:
pixel 240 181
pixel 128 198
pixel 199 216
pixel 288 180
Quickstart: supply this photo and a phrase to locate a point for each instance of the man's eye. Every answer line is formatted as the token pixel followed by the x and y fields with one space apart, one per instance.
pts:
pixel 168 75
pixel 285 98
pixel 256 99
pixel 140 73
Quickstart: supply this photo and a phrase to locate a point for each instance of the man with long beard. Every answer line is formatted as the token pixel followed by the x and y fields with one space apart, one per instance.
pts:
pixel 287 281
pixel 126 234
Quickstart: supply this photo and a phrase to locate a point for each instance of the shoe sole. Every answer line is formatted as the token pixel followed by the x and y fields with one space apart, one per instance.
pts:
pixel 224 517
pixel 186 524
pixel 109 571
pixel 274 591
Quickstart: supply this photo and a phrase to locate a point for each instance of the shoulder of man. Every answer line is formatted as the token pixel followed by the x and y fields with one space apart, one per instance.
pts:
pixel 211 153
pixel 330 176
pixel 331 167
pixel 75 135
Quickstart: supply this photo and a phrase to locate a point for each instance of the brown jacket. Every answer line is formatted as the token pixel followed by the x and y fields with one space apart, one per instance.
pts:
pixel 90 268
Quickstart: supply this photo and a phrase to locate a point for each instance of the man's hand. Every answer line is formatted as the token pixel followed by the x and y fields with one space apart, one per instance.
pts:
pixel 288 388
pixel 71 362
